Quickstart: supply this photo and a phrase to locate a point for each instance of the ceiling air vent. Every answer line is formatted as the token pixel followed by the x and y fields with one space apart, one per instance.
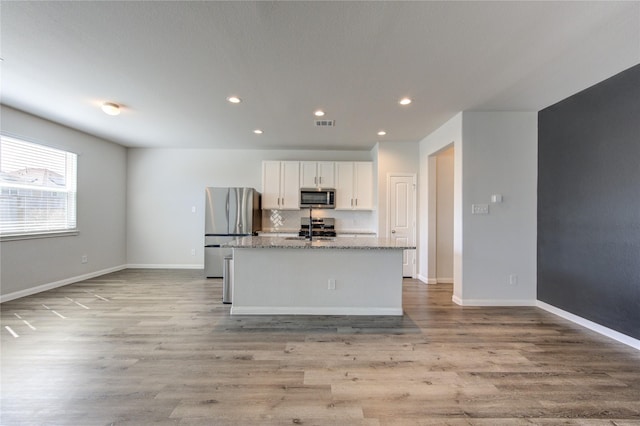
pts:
pixel 325 123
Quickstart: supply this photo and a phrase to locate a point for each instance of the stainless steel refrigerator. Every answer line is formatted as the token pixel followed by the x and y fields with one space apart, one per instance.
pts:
pixel 230 213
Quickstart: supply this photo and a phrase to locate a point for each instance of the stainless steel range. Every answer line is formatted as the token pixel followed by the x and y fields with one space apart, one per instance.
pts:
pixel 320 227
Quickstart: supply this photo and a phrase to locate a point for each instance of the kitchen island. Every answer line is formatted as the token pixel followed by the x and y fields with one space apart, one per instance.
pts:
pixel 335 276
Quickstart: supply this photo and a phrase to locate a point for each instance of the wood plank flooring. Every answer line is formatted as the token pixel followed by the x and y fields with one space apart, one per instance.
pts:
pixel 158 347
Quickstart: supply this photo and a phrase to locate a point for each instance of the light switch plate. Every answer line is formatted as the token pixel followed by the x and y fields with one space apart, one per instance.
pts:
pixel 480 209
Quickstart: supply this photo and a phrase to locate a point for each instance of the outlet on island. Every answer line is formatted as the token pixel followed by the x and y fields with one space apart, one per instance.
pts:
pixel 332 284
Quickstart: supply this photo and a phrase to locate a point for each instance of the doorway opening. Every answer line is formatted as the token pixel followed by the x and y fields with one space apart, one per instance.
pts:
pixel 441 217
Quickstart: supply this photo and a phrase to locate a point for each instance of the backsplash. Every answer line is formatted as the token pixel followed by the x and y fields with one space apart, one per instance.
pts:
pixel 346 220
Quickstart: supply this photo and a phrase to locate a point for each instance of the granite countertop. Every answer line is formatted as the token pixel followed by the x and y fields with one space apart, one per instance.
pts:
pixel 295 231
pixel 364 243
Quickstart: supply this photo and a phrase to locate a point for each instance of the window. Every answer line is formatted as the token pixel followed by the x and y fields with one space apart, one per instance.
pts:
pixel 37 189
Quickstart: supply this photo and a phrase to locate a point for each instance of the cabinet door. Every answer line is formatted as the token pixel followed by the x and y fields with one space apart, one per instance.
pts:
pixel 271 184
pixel 344 185
pixel 308 174
pixel 290 185
pixel 363 192
pixel 325 174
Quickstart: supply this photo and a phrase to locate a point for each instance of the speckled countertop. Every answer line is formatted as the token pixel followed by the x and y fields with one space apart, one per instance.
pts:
pixel 364 243
pixel 271 232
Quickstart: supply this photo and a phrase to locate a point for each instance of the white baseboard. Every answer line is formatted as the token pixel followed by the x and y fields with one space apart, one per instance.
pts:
pixel 605 331
pixel 422 278
pixel 56 284
pixel 163 266
pixel 493 302
pixel 295 310
pixel 426 280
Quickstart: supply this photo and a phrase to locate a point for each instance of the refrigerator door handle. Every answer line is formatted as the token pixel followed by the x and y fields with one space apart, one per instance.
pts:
pixel 232 210
pixel 229 218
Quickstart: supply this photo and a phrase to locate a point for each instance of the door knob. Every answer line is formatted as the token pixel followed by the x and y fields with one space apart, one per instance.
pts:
pixel 393 232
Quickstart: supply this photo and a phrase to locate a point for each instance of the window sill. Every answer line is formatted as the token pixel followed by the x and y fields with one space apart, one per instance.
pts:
pixel 37 235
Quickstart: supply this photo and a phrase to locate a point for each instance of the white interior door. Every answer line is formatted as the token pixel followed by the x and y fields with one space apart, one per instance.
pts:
pixel 401 217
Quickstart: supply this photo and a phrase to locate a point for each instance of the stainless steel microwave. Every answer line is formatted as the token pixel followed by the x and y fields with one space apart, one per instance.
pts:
pixel 318 198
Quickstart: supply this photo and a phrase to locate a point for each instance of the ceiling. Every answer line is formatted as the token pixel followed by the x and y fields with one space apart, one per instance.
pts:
pixel 171 65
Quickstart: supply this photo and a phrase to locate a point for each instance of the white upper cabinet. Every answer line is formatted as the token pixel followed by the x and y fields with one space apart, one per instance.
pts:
pixel 354 185
pixel 317 174
pixel 344 185
pixel 280 185
pixel 282 180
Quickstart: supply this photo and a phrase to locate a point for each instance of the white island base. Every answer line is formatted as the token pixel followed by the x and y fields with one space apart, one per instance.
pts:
pixel 323 281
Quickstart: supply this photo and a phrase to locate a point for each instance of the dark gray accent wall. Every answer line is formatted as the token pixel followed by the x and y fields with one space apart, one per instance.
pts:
pixel 589 203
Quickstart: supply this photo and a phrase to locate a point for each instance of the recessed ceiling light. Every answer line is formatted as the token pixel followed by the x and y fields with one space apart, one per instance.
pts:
pixel 404 101
pixel 382 133
pixel 234 99
pixel 319 113
pixel 257 131
pixel 110 108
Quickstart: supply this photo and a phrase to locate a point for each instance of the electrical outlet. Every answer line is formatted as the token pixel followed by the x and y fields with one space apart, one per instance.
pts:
pixel 84 258
pixel 332 284
pixel 193 209
pixel 193 252
pixel 480 209
pixel 513 279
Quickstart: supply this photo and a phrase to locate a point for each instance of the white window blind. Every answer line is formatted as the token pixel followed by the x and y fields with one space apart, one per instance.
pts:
pixel 38 188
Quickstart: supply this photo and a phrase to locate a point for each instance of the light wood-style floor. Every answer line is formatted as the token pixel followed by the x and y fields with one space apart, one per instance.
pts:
pixel 158 347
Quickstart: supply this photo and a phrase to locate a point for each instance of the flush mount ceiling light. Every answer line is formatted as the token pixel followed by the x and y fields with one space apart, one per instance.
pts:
pixel 234 99
pixel 319 113
pixel 110 108
pixel 382 133
pixel 257 131
pixel 404 101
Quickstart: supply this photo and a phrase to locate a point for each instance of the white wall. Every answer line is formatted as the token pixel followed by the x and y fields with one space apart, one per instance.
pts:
pixel 494 153
pixel 449 134
pixel 153 224
pixel 500 157
pixel 32 265
pixel 400 157
pixel 164 185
